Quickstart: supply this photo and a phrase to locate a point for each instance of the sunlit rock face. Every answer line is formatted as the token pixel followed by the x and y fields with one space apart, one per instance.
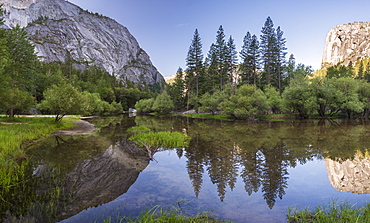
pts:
pixel 345 43
pixel 61 30
pixel 350 175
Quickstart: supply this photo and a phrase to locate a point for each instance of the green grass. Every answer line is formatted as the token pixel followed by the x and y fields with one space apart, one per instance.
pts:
pixel 157 214
pixel 15 135
pixel 210 116
pixel 335 212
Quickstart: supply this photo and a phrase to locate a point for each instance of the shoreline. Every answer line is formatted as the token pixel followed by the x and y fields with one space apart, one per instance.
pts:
pixel 82 128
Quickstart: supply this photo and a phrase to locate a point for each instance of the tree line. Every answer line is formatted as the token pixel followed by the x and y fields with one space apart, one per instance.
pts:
pixel 264 82
pixel 263 63
pixel 58 87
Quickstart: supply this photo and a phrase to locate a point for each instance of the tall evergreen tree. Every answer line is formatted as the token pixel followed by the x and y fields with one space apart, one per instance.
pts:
pixel 290 67
pixel 220 56
pixel 194 62
pixel 194 59
pixel 246 43
pixel 280 57
pixel 212 67
pixel 250 59
pixel 253 59
pixel 176 90
pixel 231 59
pixel 268 53
pixel 19 72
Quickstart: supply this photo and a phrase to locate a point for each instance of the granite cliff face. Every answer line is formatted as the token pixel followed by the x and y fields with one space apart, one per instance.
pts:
pixel 345 43
pixel 61 30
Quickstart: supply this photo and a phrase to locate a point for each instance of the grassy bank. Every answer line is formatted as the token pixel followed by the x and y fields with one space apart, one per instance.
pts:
pixel 334 212
pixel 157 214
pixel 15 135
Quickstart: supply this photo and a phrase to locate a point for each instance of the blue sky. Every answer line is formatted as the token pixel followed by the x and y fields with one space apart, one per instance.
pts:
pixel 164 28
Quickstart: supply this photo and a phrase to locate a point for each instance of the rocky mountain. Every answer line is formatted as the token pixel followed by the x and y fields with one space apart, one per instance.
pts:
pixel 345 43
pixel 63 31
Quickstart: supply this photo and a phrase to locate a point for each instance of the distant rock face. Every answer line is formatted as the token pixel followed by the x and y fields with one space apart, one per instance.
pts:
pixel 345 43
pixel 61 30
pixel 350 175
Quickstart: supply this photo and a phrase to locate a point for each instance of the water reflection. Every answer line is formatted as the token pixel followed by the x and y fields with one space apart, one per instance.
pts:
pixel 94 170
pixel 351 175
pixel 260 153
pixel 87 171
pixel 102 178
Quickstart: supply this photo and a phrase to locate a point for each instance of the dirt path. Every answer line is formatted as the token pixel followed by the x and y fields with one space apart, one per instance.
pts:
pixel 82 128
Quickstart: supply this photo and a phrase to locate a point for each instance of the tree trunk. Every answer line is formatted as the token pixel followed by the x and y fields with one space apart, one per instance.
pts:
pixel 11 113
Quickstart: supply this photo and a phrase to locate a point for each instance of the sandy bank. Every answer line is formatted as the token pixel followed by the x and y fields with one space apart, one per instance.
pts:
pixel 82 128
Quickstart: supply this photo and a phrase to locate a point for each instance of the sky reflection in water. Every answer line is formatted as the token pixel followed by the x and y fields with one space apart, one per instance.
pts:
pixel 241 171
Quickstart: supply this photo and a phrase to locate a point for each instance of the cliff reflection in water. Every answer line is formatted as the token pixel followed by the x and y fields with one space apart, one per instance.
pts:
pixel 94 170
pixel 259 153
pixel 351 175
pixel 97 169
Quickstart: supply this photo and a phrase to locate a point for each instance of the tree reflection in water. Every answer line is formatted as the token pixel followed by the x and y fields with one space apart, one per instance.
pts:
pixel 260 153
pixel 101 167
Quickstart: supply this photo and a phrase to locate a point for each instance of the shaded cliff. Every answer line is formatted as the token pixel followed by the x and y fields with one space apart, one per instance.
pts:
pixel 347 43
pixel 62 31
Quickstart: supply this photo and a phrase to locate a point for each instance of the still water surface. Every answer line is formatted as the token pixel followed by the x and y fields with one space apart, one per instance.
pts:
pixel 244 172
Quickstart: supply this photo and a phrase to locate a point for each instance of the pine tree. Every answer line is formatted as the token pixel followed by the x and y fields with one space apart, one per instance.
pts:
pixel 20 70
pixel 290 68
pixel 253 59
pixel 220 56
pixel 194 59
pixel 220 46
pixel 250 59
pixel 212 67
pixel 177 89
pixel 231 59
pixel 280 60
pixel 268 52
pixel 246 44
pixel 194 62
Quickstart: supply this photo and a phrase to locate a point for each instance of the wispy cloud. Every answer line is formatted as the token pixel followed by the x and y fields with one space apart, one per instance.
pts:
pixel 182 24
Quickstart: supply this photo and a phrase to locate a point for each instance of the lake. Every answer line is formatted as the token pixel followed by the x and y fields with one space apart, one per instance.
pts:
pixel 240 171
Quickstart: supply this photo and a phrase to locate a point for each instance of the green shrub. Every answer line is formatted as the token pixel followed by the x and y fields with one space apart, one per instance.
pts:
pixel 144 105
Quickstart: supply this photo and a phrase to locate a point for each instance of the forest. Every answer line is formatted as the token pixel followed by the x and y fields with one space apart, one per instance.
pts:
pixel 264 81
pixel 58 87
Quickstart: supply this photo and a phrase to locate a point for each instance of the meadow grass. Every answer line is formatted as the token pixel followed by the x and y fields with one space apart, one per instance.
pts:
pixel 15 135
pixel 335 212
pixel 157 214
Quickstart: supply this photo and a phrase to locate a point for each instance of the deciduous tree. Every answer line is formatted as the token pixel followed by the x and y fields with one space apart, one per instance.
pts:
pixel 247 103
pixel 62 100
pixel 163 103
